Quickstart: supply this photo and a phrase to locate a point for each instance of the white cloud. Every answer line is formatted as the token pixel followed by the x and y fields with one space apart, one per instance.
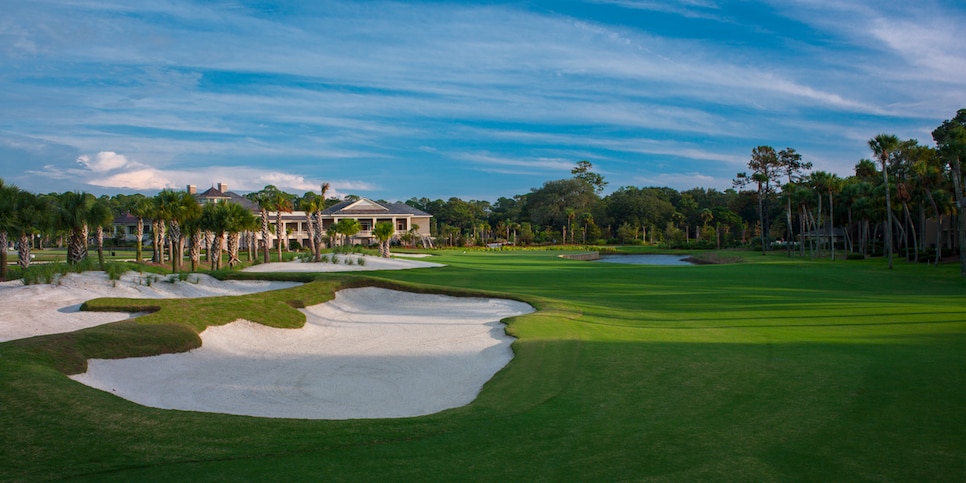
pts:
pixel 140 180
pixel 105 161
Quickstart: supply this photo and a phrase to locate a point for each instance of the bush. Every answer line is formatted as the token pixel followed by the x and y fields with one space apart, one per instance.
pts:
pixel 44 273
pixel 114 271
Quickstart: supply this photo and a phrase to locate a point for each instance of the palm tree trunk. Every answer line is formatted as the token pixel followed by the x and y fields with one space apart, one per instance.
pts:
pixel 76 247
pixel 915 237
pixel 319 233
pixel 788 220
pixel 265 241
pixel 831 226
pixel 216 247
pixel 803 225
pixel 939 225
pixel 209 244
pixel 888 200
pixel 23 251
pixel 961 228
pixel 139 243
pixel 233 249
pixel 310 227
pixel 848 233
pixel 174 234
pixel 761 217
pixel 194 252
pixel 278 233
pixel 100 247
pixel 3 256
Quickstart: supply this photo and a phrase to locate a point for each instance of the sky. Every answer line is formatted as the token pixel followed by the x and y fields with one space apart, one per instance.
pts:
pixel 476 100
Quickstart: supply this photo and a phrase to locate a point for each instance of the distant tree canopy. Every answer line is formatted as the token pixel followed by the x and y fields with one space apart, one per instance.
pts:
pixel 880 209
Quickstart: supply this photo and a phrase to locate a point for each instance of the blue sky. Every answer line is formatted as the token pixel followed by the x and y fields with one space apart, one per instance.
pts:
pixel 475 100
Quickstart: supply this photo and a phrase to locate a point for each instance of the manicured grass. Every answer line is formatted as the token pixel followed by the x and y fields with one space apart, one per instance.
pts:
pixel 771 369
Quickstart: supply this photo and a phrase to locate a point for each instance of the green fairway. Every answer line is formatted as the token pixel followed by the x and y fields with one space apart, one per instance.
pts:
pixel 774 369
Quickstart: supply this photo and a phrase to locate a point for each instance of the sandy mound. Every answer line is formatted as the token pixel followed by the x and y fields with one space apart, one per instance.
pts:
pixel 31 310
pixel 371 263
pixel 370 353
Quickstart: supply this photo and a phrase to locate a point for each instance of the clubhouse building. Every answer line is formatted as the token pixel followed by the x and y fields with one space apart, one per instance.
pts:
pixel 406 219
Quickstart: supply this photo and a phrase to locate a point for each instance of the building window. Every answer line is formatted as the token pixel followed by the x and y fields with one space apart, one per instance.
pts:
pixel 401 225
pixel 366 225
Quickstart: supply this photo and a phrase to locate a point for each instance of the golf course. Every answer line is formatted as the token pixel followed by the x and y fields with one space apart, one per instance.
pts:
pixel 773 368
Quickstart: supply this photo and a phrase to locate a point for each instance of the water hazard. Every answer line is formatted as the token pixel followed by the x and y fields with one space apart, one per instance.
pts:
pixel 665 260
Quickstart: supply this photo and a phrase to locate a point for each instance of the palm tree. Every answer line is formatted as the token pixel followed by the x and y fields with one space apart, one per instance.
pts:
pixel 313 205
pixel 383 231
pixel 264 198
pixel 100 215
pixel 28 215
pixel 8 203
pixel 347 227
pixel 414 234
pixel 239 219
pixel 950 137
pixel 318 221
pixel 215 218
pixel 185 207
pixel 832 186
pixel 196 239
pixel 140 209
pixel 588 220
pixel 791 164
pixel 764 164
pixel 282 204
pixel 71 214
pixel 928 170
pixel 308 205
pixel 884 146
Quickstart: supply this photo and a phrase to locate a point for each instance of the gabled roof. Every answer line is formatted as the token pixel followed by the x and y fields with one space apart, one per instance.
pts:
pixel 213 193
pixel 125 219
pixel 365 206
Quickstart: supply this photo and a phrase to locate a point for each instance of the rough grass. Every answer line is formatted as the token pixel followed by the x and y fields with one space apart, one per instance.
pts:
pixel 774 369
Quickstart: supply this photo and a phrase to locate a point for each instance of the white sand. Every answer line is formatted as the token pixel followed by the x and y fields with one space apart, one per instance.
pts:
pixel 371 263
pixel 32 310
pixel 370 353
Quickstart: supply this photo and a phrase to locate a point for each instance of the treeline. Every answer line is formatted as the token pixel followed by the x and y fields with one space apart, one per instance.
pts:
pixel 779 203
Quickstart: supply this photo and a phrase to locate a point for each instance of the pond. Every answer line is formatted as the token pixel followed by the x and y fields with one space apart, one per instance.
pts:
pixel 666 260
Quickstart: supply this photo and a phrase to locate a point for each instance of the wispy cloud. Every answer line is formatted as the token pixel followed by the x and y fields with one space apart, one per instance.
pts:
pixel 348 91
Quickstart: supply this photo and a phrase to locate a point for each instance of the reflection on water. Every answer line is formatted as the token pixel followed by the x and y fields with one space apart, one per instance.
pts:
pixel 646 259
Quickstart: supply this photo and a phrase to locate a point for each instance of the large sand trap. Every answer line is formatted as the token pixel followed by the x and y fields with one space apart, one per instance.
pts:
pixel 31 310
pixel 371 263
pixel 370 353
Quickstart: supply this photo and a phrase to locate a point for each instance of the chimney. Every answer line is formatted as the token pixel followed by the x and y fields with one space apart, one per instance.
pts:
pixel 222 187
pixel 192 189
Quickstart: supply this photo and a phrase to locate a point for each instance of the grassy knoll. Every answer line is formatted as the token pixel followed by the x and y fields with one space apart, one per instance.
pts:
pixel 771 369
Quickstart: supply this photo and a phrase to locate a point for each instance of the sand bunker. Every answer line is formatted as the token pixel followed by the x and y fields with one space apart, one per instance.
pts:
pixel 32 310
pixel 370 263
pixel 370 353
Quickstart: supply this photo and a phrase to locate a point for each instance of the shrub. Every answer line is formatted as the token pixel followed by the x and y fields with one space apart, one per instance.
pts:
pixel 114 271
pixel 44 273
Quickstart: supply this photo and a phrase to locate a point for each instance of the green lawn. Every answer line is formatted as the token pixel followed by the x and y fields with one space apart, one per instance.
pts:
pixel 773 369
